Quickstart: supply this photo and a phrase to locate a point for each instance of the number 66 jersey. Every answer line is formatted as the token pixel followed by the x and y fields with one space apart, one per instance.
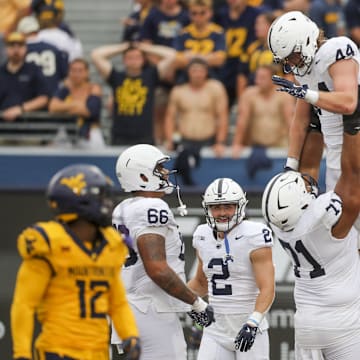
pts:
pixel 138 216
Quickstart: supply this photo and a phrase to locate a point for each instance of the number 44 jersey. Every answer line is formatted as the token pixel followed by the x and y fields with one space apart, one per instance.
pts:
pixel 139 216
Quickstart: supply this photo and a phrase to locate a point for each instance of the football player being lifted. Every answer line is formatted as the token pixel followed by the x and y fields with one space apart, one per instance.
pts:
pixel 154 273
pixel 327 76
pixel 236 271
pixel 69 274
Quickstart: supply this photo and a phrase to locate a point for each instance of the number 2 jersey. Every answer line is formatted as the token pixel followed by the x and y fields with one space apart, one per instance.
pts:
pixel 333 50
pixel 232 287
pixel 327 270
pixel 137 216
pixel 72 288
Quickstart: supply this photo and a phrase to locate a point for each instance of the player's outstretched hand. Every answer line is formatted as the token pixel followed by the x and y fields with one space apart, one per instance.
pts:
pixel 291 88
pixel 245 338
pixel 202 313
pixel 132 348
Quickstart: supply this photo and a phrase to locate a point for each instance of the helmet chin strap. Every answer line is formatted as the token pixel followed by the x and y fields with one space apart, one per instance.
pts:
pixel 182 207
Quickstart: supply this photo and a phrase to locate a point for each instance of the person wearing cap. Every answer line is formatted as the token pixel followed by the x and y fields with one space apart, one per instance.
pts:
pixel 53 62
pixel 10 13
pixel 51 32
pixel 23 88
pixel 198 112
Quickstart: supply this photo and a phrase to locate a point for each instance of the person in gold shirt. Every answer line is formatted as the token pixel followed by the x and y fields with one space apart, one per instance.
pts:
pixel 69 275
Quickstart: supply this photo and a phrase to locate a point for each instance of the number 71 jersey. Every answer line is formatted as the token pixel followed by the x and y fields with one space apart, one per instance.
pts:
pixel 327 270
pixel 139 216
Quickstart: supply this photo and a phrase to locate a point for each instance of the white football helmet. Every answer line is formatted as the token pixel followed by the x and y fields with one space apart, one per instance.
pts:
pixel 224 191
pixel 293 32
pixel 140 168
pixel 286 197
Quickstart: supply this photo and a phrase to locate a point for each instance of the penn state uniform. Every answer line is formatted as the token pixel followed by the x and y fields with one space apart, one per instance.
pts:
pixel 327 282
pixel 134 217
pixel 232 288
pixel 73 290
pixel 332 125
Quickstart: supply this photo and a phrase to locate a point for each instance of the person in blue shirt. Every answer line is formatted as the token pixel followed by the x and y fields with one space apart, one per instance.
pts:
pixel 238 21
pixel 53 62
pixel 23 87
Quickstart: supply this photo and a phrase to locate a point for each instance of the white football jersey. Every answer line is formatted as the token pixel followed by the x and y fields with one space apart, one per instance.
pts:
pixel 231 284
pixel 327 270
pixel 334 49
pixel 137 216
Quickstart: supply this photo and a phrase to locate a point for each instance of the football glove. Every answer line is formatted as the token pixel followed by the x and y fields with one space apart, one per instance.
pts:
pixel 245 338
pixel 131 348
pixel 288 86
pixel 202 313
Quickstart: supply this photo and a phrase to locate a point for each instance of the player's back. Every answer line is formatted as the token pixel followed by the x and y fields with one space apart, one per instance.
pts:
pixel 137 216
pixel 53 62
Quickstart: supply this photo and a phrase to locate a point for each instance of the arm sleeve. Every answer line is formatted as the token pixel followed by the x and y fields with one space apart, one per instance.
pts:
pixel 31 283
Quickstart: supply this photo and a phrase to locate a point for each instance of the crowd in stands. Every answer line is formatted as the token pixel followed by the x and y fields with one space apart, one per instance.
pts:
pixel 186 65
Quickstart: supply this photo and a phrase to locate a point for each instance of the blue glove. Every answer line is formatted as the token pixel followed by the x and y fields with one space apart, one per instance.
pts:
pixel 202 313
pixel 132 348
pixel 203 318
pixel 288 86
pixel 245 338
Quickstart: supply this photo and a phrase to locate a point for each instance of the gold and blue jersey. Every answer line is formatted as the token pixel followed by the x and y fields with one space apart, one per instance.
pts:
pixel 72 288
pixel 210 40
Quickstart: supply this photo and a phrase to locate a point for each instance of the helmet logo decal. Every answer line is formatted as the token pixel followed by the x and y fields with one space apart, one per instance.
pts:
pixel 75 183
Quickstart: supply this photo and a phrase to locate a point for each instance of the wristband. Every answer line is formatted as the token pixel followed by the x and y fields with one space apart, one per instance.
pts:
pixel 292 163
pixel 312 96
pixel 255 318
pixel 199 305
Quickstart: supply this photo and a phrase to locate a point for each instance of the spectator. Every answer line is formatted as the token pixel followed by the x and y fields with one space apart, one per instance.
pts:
pixel 51 33
pixel 352 17
pixel 53 62
pixel 201 38
pixel 236 271
pixel 10 13
pixel 23 87
pixel 154 274
pixel 297 5
pixel 133 89
pixel 135 20
pixel 36 8
pixel 263 120
pixel 69 274
pixel 163 24
pixel 328 15
pixel 80 97
pixel 198 112
pixel 258 52
pixel 238 21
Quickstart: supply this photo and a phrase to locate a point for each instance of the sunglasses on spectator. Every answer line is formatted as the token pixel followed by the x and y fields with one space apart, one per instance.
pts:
pixel 201 13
